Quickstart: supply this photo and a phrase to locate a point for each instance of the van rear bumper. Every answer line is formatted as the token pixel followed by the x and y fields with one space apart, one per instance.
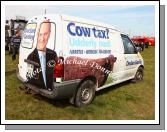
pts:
pixel 65 89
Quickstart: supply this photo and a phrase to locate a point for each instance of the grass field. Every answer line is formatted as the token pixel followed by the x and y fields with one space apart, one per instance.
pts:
pixel 126 101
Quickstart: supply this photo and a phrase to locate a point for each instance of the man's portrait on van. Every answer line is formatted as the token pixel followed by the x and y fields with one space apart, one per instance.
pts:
pixel 41 55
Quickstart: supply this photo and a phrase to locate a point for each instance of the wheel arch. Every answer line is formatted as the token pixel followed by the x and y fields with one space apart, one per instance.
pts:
pixel 92 78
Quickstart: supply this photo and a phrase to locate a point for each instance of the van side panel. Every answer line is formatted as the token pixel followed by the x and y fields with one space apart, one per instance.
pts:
pixel 87 51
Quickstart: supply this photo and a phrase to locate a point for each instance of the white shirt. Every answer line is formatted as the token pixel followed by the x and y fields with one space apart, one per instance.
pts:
pixel 42 57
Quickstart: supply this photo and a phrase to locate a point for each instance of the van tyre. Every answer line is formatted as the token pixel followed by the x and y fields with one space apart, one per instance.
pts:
pixel 85 93
pixel 139 75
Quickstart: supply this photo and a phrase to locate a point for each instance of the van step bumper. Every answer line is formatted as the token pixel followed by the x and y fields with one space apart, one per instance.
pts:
pixel 65 89
pixel 60 90
pixel 43 92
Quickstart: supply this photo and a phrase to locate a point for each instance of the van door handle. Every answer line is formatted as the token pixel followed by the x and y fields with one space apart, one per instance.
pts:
pixel 31 62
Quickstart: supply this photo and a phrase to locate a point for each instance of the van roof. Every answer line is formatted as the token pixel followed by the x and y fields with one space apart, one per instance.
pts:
pixel 83 20
pixel 77 19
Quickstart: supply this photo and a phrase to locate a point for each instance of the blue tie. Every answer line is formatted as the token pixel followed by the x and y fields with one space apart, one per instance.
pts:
pixel 43 66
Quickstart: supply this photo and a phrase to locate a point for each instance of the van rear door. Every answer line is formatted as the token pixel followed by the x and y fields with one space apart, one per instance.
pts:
pixel 37 53
pixel 26 47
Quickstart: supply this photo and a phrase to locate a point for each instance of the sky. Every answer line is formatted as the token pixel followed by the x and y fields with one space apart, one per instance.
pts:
pixel 131 19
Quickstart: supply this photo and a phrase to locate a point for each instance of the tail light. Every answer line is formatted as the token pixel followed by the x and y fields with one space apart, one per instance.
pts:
pixel 59 70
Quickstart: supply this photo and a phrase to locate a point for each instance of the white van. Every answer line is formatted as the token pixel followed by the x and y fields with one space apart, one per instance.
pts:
pixel 68 57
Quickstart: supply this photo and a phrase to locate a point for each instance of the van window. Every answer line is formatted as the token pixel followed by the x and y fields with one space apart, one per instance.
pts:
pixel 28 35
pixel 128 45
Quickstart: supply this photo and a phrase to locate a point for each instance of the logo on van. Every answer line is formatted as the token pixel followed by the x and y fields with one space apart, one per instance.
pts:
pixel 133 62
pixel 87 32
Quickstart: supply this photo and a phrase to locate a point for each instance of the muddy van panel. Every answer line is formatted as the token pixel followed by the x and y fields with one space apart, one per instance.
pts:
pixel 69 57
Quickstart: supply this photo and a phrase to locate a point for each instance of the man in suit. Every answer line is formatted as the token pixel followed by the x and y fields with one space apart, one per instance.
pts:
pixel 40 58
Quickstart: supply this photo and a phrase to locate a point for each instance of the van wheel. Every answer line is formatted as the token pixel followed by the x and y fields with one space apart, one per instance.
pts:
pixel 139 75
pixel 85 93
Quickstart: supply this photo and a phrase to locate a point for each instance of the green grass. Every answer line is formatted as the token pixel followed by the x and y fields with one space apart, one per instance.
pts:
pixel 126 101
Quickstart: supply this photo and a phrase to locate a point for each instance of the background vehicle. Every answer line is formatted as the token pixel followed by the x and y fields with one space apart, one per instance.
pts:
pixel 11 27
pixel 143 41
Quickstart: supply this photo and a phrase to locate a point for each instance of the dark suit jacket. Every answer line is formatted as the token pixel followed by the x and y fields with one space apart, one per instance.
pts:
pixel 38 78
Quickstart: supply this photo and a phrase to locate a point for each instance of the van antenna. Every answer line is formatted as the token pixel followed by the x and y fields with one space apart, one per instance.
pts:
pixel 45 11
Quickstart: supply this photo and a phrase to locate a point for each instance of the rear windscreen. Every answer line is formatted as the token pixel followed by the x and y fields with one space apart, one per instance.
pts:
pixel 28 35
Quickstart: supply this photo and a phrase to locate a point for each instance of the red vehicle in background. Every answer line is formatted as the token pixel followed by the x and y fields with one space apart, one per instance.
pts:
pixel 150 40
pixel 143 39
